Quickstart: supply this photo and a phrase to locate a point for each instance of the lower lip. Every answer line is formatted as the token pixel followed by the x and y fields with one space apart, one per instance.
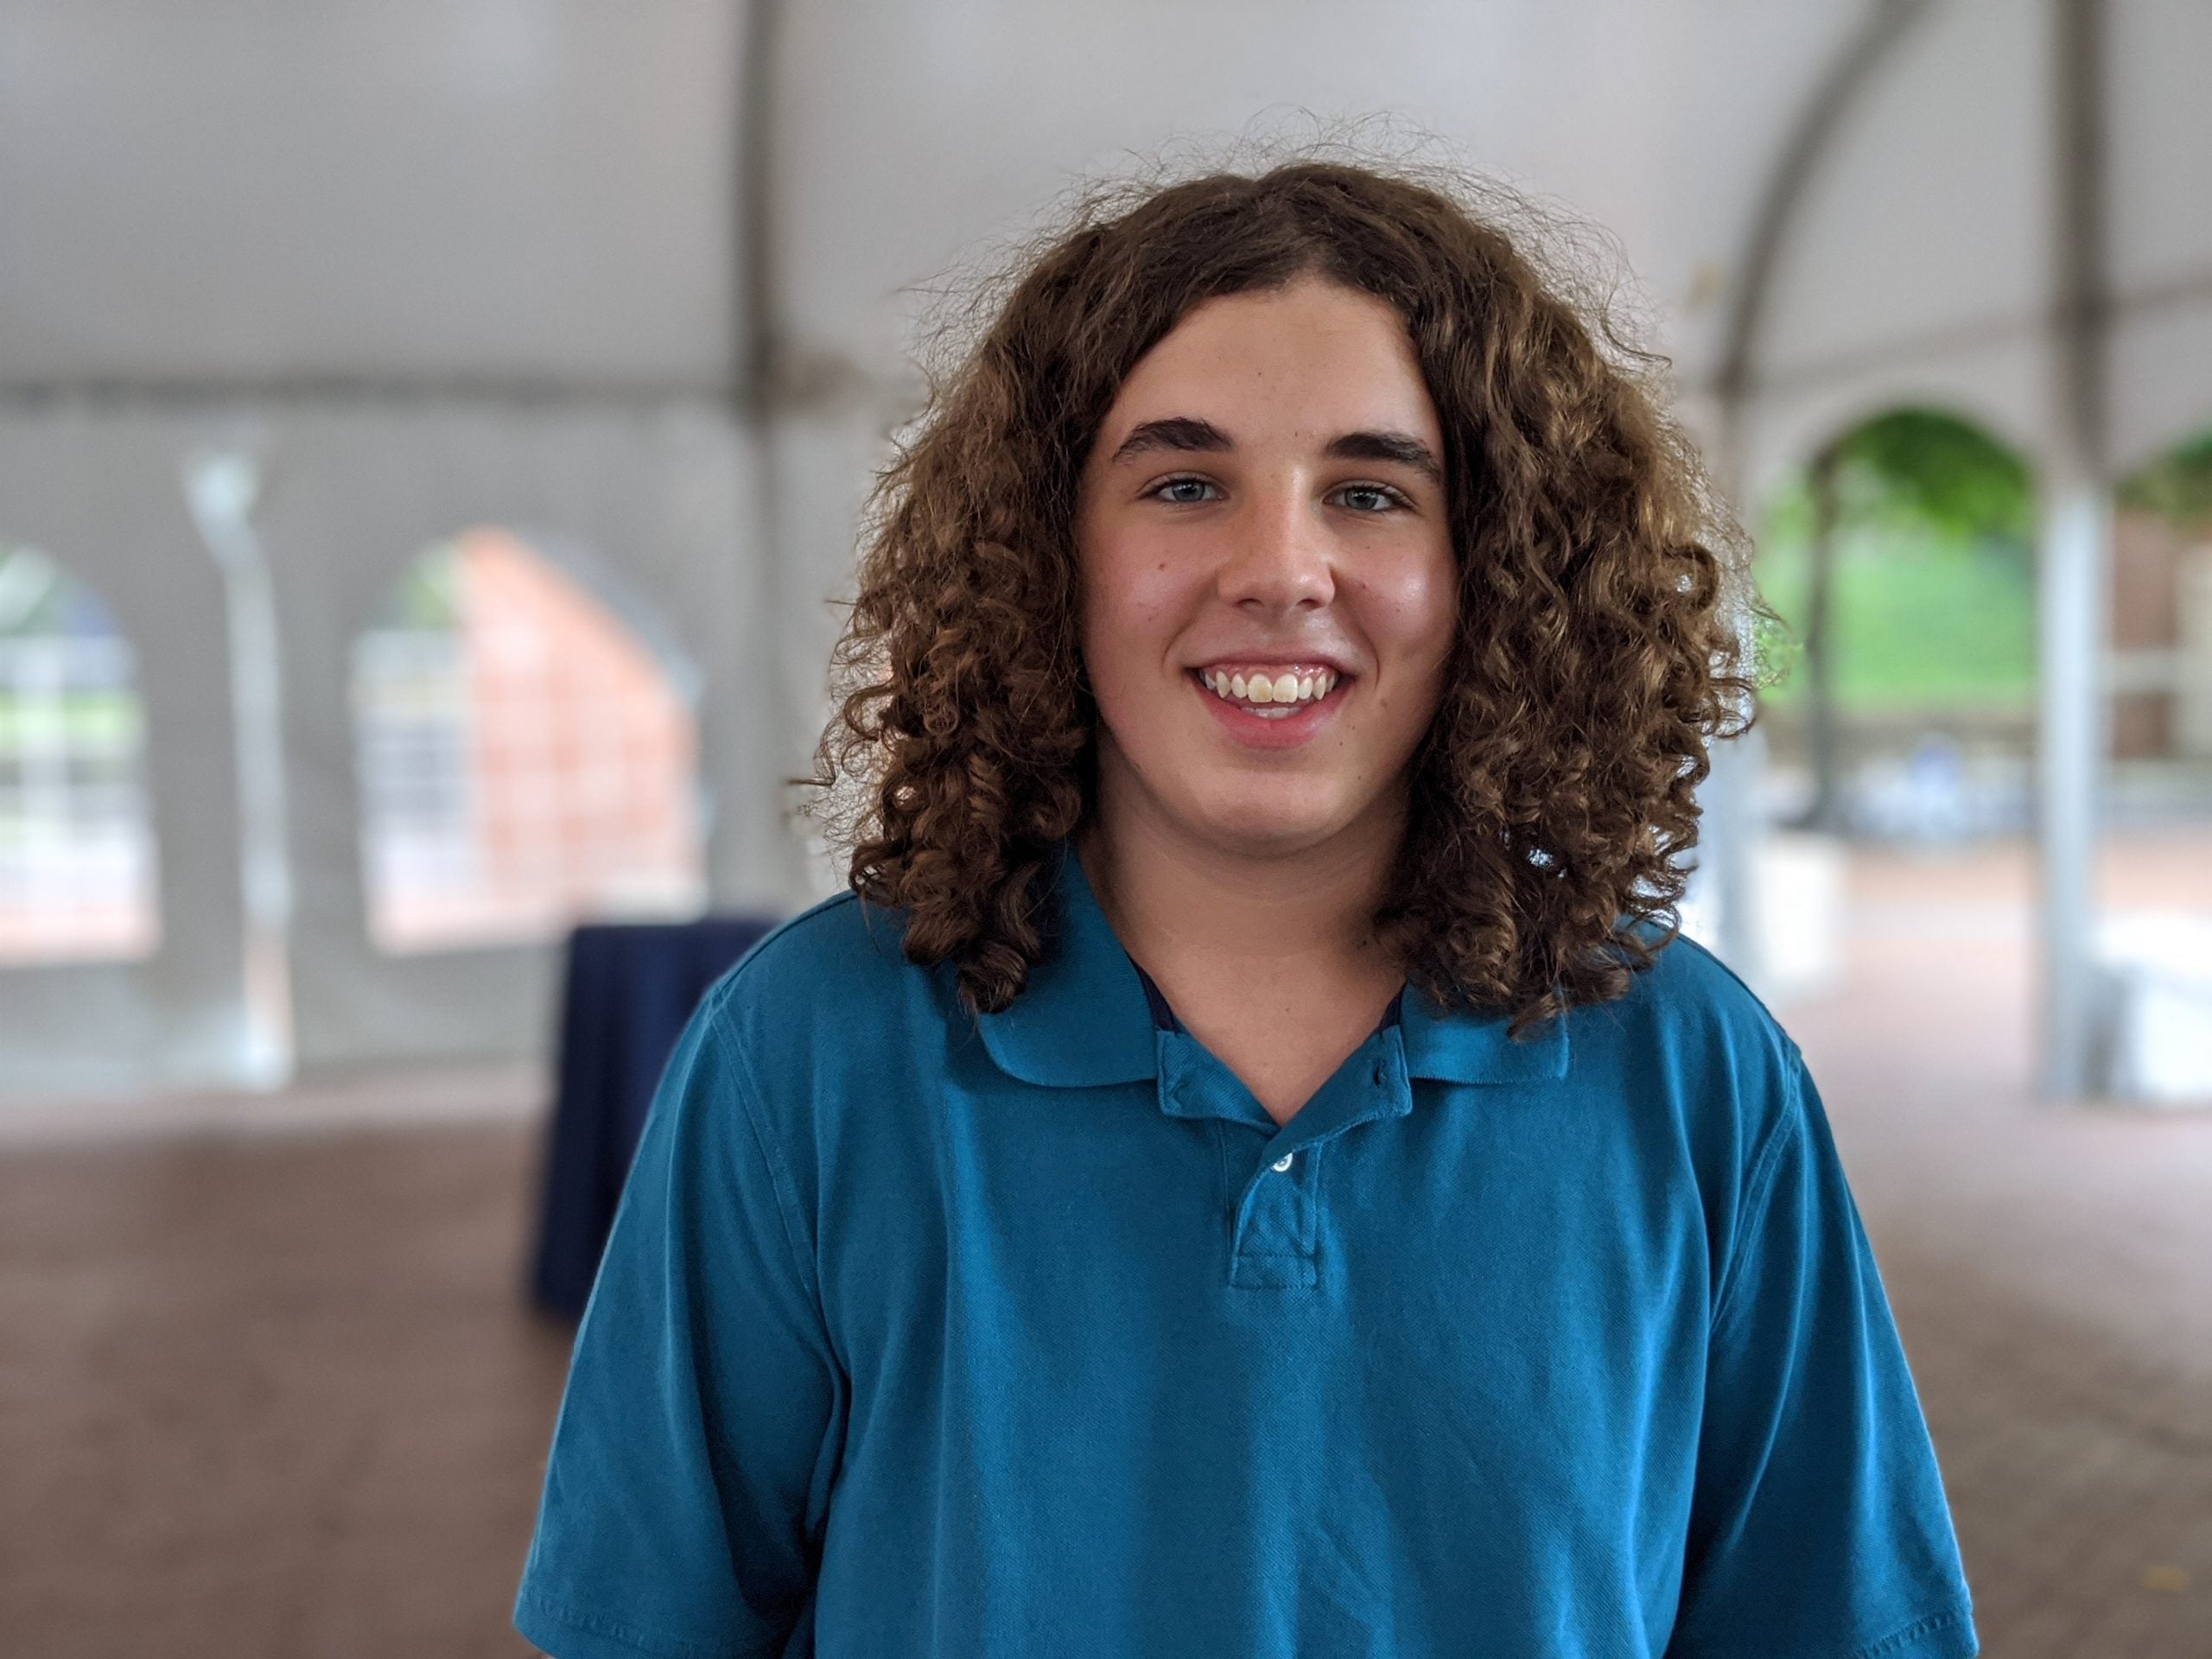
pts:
pixel 1272 731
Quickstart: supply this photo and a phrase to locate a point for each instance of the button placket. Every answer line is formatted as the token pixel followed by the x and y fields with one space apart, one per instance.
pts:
pixel 1273 1210
pixel 1276 1211
pixel 1271 1242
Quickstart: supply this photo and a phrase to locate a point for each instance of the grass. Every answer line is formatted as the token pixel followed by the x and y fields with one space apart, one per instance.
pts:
pixel 1922 622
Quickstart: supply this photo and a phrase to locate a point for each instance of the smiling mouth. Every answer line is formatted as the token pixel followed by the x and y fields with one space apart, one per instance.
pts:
pixel 1271 695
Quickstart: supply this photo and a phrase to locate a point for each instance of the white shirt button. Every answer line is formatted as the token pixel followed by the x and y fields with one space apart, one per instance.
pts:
pixel 1283 1162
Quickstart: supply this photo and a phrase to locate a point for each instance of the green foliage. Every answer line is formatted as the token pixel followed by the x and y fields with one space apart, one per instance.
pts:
pixel 1929 623
pixel 1932 607
pixel 2177 486
pixel 1916 470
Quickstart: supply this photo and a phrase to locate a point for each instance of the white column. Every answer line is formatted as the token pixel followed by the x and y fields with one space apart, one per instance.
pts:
pixel 2074 561
pixel 221 488
pixel 2070 582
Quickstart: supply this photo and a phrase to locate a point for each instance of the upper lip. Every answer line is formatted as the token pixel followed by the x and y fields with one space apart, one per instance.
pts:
pixel 1273 659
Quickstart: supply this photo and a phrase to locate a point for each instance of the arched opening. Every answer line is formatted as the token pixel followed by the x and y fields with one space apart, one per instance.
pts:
pixel 76 837
pixel 1901 557
pixel 526 759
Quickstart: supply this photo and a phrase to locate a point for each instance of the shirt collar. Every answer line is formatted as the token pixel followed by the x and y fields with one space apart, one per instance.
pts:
pixel 1082 1021
pixel 1453 1046
pixel 1085 1019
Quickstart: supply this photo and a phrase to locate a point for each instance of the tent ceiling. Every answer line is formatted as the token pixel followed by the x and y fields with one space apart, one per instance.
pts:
pixel 1919 265
pixel 2161 227
pixel 924 131
pixel 249 190
pixel 1925 227
pixel 2161 147
pixel 442 190
pixel 453 191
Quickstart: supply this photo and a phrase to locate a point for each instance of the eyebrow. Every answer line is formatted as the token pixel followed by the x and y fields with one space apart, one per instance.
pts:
pixel 1179 432
pixel 1402 447
pixel 1184 433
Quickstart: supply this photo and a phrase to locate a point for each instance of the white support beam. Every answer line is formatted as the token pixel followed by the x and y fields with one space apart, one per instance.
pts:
pixel 221 488
pixel 2073 568
pixel 2070 581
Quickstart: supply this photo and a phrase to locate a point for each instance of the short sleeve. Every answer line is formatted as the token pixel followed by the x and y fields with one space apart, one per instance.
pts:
pixel 1819 1528
pixel 689 1472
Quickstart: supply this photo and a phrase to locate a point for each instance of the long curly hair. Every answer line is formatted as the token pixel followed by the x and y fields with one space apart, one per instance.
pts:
pixel 1597 651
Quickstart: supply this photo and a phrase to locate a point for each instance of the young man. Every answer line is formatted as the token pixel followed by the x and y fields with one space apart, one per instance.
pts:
pixel 1247 1171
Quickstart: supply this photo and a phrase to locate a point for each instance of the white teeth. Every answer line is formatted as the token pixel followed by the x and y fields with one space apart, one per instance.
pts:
pixel 1283 689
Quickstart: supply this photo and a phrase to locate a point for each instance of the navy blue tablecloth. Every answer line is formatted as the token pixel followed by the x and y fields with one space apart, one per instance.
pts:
pixel 627 992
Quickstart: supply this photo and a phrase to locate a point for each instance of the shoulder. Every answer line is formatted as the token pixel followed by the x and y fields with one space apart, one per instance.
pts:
pixel 824 1013
pixel 827 995
pixel 1687 989
pixel 837 956
pixel 1693 1039
pixel 1708 1073
pixel 843 937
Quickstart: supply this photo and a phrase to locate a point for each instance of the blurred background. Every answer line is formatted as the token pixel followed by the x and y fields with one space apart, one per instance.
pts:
pixel 431 435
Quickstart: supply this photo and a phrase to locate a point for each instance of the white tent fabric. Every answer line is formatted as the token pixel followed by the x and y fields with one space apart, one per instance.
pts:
pixel 1921 267
pixel 247 193
pixel 448 261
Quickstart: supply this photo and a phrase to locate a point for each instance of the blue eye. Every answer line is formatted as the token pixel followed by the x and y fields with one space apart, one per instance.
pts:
pixel 1370 497
pixel 1186 492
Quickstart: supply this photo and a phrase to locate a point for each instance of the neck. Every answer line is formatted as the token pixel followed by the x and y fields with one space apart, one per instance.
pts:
pixel 1182 903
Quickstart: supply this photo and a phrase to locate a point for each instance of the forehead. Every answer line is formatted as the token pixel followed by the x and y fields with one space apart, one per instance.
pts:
pixel 1314 357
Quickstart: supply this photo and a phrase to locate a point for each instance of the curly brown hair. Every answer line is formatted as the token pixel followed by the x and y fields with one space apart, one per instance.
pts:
pixel 1552 797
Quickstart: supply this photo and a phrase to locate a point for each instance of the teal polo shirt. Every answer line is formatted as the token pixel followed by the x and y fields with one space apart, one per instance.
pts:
pixel 923 1337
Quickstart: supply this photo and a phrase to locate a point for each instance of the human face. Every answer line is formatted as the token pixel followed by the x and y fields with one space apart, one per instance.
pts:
pixel 1264 513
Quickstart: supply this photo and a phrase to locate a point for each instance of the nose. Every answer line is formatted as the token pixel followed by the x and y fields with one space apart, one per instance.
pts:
pixel 1278 559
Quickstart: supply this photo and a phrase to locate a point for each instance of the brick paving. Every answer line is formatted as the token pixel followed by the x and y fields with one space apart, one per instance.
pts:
pixel 2051 1267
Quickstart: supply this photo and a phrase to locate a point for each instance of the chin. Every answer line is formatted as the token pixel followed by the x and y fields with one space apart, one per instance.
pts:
pixel 1270 821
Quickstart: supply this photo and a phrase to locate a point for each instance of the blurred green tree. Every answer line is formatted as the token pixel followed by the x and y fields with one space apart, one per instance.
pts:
pixel 2177 486
pixel 1900 557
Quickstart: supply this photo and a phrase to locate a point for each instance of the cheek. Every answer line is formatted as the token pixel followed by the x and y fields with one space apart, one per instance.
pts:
pixel 1413 610
pixel 1135 600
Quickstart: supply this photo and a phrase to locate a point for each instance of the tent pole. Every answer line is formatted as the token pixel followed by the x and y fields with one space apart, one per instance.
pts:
pixel 2072 567
pixel 221 488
